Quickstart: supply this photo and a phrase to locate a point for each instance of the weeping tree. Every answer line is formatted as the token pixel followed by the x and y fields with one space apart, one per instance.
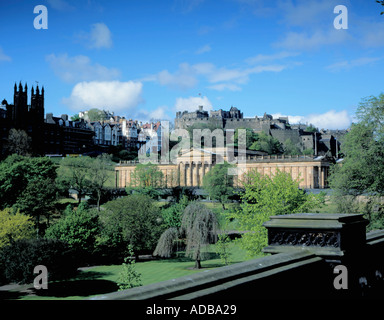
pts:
pixel 199 225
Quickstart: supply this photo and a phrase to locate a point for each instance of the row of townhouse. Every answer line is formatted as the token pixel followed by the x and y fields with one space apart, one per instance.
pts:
pixel 131 134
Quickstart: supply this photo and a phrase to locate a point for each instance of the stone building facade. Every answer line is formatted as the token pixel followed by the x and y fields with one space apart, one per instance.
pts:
pixel 191 167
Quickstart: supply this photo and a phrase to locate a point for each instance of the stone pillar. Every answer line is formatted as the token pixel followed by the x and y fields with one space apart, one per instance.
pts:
pixel 201 173
pixel 182 174
pixel 195 174
pixel 331 236
pixel 188 174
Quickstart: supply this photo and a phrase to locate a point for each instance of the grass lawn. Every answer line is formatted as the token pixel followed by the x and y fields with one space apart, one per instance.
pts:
pixel 102 279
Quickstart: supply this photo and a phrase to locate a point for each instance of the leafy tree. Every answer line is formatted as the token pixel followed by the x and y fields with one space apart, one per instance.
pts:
pixel 99 173
pixel 266 143
pixel 28 184
pixel 38 199
pixel 19 142
pixel 129 277
pixel 222 248
pixel 133 219
pixel 172 215
pixel 382 3
pixel 250 137
pixel 79 228
pixel 74 173
pixel 147 175
pixel 95 114
pixel 311 128
pixel 19 258
pixel 75 117
pixel 265 196
pixel 200 225
pixel 362 169
pixel 146 179
pixel 218 183
pixel 290 148
pixel 14 226
pixel 164 247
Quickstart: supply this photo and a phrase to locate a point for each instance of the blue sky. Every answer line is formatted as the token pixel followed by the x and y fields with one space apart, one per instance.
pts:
pixel 150 58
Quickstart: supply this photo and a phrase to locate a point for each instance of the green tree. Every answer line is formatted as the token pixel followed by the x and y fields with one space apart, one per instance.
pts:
pixel 361 172
pixel 266 143
pixel 265 196
pixel 19 142
pixel 14 226
pixel 290 148
pixel 74 173
pixel 95 114
pixel 250 137
pixel 222 248
pixel 200 226
pixel 129 277
pixel 133 219
pixel 38 199
pixel 147 179
pixel 99 174
pixel 75 117
pixel 172 215
pixel 28 184
pixel 147 175
pixel 218 183
pixel 382 3
pixel 78 227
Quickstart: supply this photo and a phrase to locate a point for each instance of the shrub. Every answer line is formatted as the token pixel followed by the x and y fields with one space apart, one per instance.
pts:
pixel 19 258
pixel 14 226
pixel 79 228
pixel 129 277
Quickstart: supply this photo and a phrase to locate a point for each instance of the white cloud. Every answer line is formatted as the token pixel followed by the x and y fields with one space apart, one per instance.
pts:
pixel 160 113
pixel 183 78
pixel 100 36
pixel 80 68
pixel 329 120
pixel 225 86
pixel 113 95
pixel 272 57
pixel 348 64
pixel 97 38
pixel 191 104
pixel 187 76
pixel 3 56
pixel 312 39
pixel 204 49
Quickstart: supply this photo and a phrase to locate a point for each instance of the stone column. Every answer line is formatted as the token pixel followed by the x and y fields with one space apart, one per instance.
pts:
pixel 188 174
pixel 182 174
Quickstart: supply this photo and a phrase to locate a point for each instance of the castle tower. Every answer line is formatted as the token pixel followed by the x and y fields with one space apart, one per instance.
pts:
pixel 19 113
pixel 37 104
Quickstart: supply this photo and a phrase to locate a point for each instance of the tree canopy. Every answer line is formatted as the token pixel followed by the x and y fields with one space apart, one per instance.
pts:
pixel 265 196
pixel 133 219
pixel 218 183
pixel 362 169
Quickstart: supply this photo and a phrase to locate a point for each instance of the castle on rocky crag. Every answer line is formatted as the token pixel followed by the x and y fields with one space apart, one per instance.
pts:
pixel 323 142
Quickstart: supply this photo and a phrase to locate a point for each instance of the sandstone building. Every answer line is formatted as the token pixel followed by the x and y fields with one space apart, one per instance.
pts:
pixel 191 167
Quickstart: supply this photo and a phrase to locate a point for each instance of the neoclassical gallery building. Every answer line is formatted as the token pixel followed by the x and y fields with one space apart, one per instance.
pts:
pixel 190 167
